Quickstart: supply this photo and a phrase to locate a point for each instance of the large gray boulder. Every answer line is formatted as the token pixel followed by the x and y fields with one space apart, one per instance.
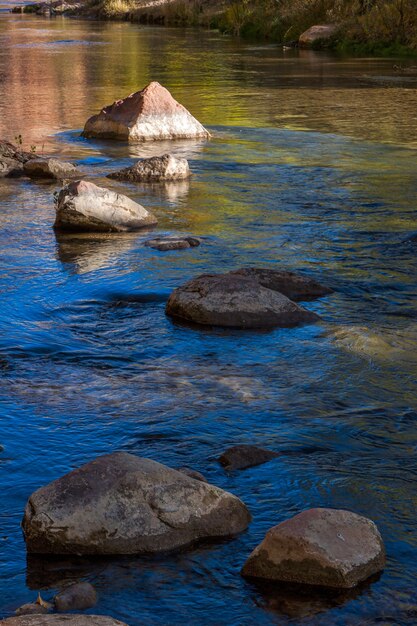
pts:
pixel 147 115
pixel 51 169
pixel 155 169
pixel 82 206
pixel 234 300
pixel 124 504
pixel 295 286
pixel 61 620
pixel 325 547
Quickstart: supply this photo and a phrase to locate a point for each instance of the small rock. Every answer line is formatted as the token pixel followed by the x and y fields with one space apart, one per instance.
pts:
pixel 242 456
pixel 192 473
pixel 235 301
pixel 62 620
pixel 12 159
pixel 164 168
pixel 295 286
pixel 320 34
pixel 172 242
pixel 32 608
pixel 52 169
pixel 82 206
pixel 147 115
pixel 325 547
pixel 77 597
pixel 124 504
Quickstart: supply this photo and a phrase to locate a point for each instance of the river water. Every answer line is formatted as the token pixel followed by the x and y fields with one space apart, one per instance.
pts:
pixel 312 167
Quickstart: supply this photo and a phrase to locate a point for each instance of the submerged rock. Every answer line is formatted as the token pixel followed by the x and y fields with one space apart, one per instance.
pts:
pixel 235 301
pixel 32 608
pixel 50 168
pixel 166 167
pixel 82 206
pixel 76 597
pixel 325 547
pixel 295 286
pixel 192 473
pixel 242 456
pixel 147 115
pixel 316 35
pixel 123 504
pixel 172 242
pixel 62 620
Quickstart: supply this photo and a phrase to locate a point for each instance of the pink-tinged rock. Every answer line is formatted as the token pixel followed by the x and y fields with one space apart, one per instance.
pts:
pixel 321 33
pixel 82 206
pixel 147 115
pixel 325 547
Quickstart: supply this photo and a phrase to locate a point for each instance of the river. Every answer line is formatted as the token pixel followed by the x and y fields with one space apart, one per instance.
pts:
pixel 312 167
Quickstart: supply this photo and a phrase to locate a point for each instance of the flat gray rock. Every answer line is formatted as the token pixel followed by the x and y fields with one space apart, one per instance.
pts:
pixel 124 504
pixel 84 207
pixel 51 169
pixel 325 547
pixel 172 242
pixel 235 301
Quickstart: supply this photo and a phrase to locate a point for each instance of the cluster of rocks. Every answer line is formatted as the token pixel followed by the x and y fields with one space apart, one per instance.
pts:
pixel 246 298
pixel 122 504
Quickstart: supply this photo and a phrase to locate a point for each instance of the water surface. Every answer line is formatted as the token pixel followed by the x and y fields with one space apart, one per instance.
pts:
pixel 312 167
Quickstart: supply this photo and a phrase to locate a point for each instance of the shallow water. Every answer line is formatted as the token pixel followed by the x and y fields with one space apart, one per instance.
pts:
pixel 312 167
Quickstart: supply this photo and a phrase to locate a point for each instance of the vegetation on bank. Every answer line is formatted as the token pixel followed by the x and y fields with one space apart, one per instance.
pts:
pixel 364 26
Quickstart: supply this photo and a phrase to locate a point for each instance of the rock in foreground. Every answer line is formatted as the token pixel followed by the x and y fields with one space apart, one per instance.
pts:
pixel 123 504
pixel 172 242
pixel 155 169
pixel 318 35
pixel 295 286
pixel 235 301
pixel 147 115
pixel 243 456
pixel 84 207
pixel 61 620
pixel 51 169
pixel 76 597
pixel 325 547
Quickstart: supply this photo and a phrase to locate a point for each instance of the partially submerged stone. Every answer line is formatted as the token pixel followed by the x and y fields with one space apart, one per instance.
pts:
pixel 62 620
pixel 172 242
pixel 76 597
pixel 192 473
pixel 319 34
pixel 295 286
pixel 32 608
pixel 147 115
pixel 12 159
pixel 235 301
pixel 52 169
pixel 155 169
pixel 123 504
pixel 84 207
pixel 243 456
pixel 325 547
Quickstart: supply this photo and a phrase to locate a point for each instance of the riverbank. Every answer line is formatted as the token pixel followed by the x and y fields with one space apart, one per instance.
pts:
pixel 387 28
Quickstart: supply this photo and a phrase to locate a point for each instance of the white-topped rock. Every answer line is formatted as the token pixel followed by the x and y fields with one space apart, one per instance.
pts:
pixel 147 115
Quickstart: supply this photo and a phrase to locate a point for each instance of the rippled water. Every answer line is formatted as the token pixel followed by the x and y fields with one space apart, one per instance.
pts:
pixel 312 167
